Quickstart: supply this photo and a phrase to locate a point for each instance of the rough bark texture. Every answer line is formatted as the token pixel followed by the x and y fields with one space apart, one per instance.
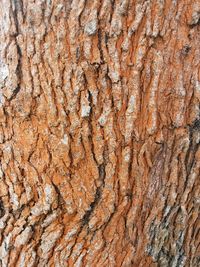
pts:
pixel 99 133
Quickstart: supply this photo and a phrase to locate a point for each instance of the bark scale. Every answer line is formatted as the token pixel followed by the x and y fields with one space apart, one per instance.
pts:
pixel 99 133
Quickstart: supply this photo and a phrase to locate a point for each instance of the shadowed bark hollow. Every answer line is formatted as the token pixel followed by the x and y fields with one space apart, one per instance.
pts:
pixel 99 133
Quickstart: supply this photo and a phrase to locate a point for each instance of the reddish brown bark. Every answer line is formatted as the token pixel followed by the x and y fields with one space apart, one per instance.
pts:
pixel 99 133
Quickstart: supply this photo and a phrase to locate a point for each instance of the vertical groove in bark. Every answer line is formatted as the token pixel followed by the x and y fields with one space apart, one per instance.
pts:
pixel 99 133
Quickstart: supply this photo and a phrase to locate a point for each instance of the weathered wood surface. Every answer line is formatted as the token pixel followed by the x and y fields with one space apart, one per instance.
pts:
pixel 99 133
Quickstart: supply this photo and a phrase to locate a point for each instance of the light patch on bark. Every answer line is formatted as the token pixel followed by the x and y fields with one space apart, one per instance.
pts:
pixel 4 72
pixel 24 237
pixel 85 106
pixel 65 140
pixel 48 241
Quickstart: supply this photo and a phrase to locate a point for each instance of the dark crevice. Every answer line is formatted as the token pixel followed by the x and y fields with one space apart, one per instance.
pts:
pixel 195 126
pixel 193 146
pixel 2 209
pixel 195 24
pixel 102 172
pixel 61 200
pixel 99 46
pixel 15 92
pixel 88 213
pixel 112 2
pixel 185 50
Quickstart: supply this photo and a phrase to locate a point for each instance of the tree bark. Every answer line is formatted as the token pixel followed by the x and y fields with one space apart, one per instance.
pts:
pixel 99 133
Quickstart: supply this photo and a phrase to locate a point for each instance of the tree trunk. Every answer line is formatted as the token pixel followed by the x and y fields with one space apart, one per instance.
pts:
pixel 99 133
